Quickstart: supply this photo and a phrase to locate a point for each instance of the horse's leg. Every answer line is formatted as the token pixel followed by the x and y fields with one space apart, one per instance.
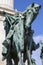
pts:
pixel 9 61
pixel 15 62
pixel 28 48
pixel 15 59
pixel 17 54
pixel 24 54
pixel 22 59
pixel 29 57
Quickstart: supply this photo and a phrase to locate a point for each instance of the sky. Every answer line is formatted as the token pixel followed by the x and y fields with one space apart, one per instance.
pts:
pixel 37 25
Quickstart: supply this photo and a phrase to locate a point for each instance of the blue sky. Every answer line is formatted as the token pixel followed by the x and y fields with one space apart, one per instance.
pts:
pixel 37 25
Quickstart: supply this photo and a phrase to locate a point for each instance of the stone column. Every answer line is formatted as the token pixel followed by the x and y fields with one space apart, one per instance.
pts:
pixel 7 6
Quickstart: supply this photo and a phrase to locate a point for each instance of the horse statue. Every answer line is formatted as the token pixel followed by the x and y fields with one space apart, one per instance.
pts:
pixel 29 16
pixel 19 35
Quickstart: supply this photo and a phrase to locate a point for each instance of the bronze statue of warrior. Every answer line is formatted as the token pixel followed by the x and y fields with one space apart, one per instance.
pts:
pixel 19 35
pixel 11 42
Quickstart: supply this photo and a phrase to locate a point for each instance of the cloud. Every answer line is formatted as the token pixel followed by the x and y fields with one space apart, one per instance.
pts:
pixel 36 54
pixel 38 38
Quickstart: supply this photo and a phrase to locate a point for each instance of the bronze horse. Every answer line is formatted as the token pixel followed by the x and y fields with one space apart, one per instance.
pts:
pixel 29 15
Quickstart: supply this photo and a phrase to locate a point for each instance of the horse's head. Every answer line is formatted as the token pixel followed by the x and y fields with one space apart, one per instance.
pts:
pixel 31 12
pixel 35 7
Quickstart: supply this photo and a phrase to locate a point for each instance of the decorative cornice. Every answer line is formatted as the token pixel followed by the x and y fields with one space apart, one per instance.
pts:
pixel 9 11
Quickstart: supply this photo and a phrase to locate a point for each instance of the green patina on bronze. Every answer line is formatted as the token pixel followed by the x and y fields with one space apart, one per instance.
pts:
pixel 19 36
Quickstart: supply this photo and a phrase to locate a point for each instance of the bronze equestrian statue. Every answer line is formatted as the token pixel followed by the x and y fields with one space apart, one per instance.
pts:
pixel 19 35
